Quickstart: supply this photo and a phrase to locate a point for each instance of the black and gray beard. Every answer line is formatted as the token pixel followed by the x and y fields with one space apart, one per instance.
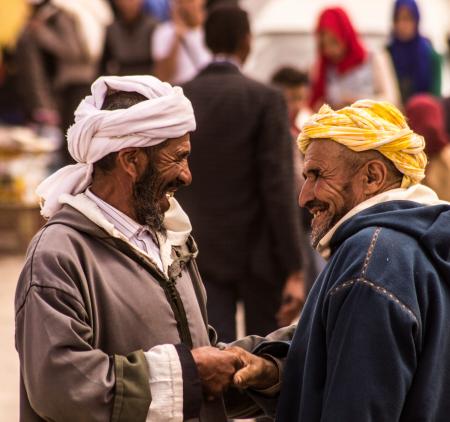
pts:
pixel 146 201
pixel 317 234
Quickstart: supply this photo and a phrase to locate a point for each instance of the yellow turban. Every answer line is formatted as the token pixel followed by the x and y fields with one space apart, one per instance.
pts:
pixel 371 125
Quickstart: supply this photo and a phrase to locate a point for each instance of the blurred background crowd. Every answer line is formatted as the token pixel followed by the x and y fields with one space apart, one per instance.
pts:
pixel 310 52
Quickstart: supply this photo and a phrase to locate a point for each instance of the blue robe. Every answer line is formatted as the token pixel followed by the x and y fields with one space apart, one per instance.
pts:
pixel 373 342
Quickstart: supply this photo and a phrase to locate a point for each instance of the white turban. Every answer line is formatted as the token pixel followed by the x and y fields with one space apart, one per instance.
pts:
pixel 96 133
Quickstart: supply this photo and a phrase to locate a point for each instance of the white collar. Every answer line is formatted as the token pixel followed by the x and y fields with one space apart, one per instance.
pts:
pixel 227 58
pixel 416 193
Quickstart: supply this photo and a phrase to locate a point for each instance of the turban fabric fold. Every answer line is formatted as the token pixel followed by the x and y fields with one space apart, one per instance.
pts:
pixel 371 125
pixel 166 114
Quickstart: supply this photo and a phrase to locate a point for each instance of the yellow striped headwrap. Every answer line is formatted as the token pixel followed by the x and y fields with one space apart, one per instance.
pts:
pixel 371 125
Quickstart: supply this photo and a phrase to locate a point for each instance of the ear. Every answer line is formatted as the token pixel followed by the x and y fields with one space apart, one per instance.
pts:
pixel 375 177
pixel 244 47
pixel 132 161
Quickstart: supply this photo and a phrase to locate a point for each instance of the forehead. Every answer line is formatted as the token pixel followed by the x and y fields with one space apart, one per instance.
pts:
pixel 177 144
pixel 404 12
pixel 323 150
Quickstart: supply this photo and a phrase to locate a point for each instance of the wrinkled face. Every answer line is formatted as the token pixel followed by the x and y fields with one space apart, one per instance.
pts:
pixel 330 189
pixel 296 98
pixel 331 46
pixel 166 172
pixel 405 26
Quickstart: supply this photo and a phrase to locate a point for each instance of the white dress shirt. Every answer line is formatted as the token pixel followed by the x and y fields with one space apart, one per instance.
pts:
pixel 138 235
pixel 192 55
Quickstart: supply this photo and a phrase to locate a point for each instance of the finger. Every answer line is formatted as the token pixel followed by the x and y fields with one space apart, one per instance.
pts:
pixel 239 355
pixel 235 360
pixel 244 377
pixel 216 387
pixel 235 350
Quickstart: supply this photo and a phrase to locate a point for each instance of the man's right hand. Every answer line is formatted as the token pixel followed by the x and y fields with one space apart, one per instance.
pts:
pixel 216 369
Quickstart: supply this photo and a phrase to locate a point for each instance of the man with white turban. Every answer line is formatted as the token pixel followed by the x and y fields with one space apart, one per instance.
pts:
pixel 373 341
pixel 110 308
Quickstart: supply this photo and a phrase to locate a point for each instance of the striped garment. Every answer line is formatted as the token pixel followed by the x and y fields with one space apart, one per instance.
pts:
pixel 138 235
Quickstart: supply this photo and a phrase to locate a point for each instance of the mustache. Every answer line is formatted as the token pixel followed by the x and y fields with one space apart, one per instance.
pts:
pixel 174 185
pixel 314 203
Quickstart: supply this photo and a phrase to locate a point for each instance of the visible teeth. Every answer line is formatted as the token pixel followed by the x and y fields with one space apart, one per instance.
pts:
pixel 317 213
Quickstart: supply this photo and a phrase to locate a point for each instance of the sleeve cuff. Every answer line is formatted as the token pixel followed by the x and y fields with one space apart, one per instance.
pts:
pixel 192 387
pixel 174 384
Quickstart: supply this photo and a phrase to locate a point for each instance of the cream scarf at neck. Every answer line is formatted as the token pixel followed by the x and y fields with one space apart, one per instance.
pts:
pixel 176 222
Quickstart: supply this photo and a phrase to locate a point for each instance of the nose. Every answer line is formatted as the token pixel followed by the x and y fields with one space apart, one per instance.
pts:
pixel 306 194
pixel 185 175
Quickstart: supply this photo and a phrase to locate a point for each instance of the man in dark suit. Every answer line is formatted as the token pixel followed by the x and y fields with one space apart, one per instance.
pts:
pixel 242 202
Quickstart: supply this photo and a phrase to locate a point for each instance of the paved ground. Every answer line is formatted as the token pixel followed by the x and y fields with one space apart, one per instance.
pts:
pixel 10 267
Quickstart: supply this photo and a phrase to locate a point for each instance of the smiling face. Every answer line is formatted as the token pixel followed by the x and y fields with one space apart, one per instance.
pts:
pixel 172 169
pixel 166 171
pixel 332 187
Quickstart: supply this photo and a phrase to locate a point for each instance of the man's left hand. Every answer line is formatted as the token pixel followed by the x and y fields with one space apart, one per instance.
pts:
pixel 216 369
pixel 292 301
pixel 256 372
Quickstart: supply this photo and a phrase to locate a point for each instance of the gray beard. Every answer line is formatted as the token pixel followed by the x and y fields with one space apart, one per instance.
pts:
pixel 318 233
pixel 146 205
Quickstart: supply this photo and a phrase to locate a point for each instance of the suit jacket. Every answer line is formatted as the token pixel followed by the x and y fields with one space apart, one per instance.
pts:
pixel 241 201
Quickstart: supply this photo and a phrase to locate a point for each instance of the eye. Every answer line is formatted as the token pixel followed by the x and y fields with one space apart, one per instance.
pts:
pixel 181 158
pixel 312 174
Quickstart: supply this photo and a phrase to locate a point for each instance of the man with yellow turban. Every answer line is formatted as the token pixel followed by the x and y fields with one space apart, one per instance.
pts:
pixel 373 341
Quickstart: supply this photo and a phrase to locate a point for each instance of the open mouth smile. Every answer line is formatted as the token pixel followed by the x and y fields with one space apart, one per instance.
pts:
pixel 318 211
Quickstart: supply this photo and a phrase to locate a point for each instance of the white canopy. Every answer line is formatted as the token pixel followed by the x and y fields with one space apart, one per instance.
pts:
pixel 284 29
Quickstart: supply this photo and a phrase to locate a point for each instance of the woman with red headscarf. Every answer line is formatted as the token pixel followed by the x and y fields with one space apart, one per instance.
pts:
pixel 426 117
pixel 346 71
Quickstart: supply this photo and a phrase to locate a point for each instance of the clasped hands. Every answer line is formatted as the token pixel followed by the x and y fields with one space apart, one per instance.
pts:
pixel 233 366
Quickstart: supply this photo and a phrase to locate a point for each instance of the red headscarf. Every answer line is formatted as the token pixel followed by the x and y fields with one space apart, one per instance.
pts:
pixel 337 21
pixel 426 117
